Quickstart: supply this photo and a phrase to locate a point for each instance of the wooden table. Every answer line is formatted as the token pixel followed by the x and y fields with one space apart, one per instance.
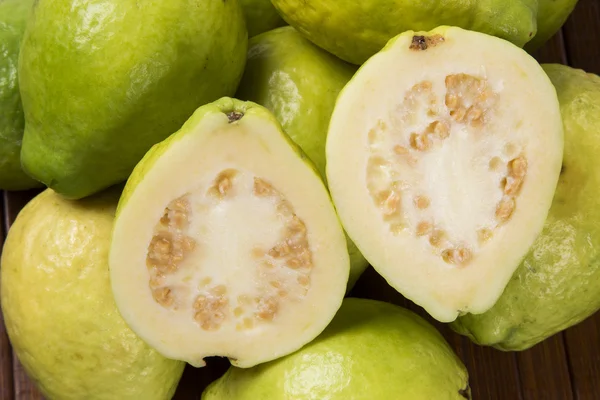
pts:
pixel 564 367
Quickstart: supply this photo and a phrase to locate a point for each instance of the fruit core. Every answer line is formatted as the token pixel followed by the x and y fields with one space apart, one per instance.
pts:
pixel 442 168
pixel 204 261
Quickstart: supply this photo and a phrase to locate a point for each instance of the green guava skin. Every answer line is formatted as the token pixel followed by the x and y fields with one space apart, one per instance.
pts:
pixel 556 286
pixel 58 308
pixel 355 30
pixel 370 351
pixel 299 83
pixel 551 16
pixel 260 16
pixel 13 18
pixel 117 77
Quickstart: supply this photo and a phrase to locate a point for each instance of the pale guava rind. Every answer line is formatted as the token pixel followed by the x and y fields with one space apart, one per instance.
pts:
pixel 299 83
pixel 260 16
pixel 355 30
pixel 13 18
pixel 122 75
pixel 59 311
pixel 556 285
pixel 551 16
pixel 371 350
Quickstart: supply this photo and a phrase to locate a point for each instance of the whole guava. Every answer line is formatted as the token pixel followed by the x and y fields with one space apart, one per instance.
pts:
pixel 556 286
pixel 551 16
pixel 260 16
pixel 370 351
pixel 355 30
pixel 104 80
pixel 13 17
pixel 59 311
pixel 299 83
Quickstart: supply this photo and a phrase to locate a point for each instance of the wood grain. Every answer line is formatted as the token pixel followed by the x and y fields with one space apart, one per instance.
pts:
pixel 564 367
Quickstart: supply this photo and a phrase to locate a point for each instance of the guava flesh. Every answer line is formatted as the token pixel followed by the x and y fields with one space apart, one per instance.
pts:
pixel 556 285
pixel 371 350
pixel 438 163
pixel 59 311
pixel 299 83
pixel 226 241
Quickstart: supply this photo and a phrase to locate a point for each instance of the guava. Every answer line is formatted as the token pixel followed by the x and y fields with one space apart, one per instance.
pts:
pixel 556 286
pixel 551 16
pixel 226 242
pixel 355 30
pixel 13 17
pixel 260 16
pixel 443 155
pixel 122 75
pixel 299 83
pixel 59 311
pixel 370 351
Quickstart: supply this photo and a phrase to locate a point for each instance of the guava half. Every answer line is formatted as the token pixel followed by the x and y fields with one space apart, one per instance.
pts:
pixel 299 83
pixel 260 16
pixel 13 17
pixel 226 241
pixel 443 154
pixel 117 77
pixel 355 30
pixel 557 284
pixel 370 351
pixel 59 310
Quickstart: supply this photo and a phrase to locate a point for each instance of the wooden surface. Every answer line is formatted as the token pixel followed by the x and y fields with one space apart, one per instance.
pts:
pixel 564 367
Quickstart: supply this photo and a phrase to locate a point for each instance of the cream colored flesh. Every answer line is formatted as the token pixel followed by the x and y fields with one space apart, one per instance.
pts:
pixel 261 263
pixel 442 163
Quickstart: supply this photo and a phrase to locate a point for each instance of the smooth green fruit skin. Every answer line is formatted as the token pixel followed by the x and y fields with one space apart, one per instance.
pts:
pixel 551 16
pixel 557 284
pixel 59 311
pixel 13 18
pixel 299 83
pixel 116 77
pixel 370 351
pixel 260 16
pixel 355 30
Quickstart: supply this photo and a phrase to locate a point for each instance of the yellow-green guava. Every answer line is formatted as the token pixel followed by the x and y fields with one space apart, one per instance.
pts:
pixel 104 80
pixel 370 351
pixel 59 311
pixel 438 163
pixel 260 16
pixel 13 17
pixel 551 16
pixel 226 242
pixel 556 286
pixel 355 30
pixel 299 83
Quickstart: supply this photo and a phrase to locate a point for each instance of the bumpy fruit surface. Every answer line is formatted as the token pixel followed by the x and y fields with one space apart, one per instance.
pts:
pixel 299 83
pixel 556 286
pixel 116 78
pixel 226 241
pixel 443 167
pixel 371 351
pixel 59 311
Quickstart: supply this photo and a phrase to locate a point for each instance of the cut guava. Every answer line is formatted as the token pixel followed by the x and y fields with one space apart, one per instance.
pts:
pixel 226 241
pixel 557 284
pixel 299 83
pixel 443 154
pixel 370 351
pixel 59 310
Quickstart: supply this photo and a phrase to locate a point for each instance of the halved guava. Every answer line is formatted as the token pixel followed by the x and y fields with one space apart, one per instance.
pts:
pixel 443 154
pixel 226 241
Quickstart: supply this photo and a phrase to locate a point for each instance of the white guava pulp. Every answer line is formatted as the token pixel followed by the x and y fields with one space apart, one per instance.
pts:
pixel 443 155
pixel 226 242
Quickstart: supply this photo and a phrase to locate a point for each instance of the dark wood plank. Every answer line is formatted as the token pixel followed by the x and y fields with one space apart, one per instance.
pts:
pixel 582 33
pixel 24 388
pixel 554 51
pixel 6 372
pixel 583 346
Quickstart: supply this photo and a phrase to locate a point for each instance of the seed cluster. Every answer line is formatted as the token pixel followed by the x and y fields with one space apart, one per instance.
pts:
pixel 468 101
